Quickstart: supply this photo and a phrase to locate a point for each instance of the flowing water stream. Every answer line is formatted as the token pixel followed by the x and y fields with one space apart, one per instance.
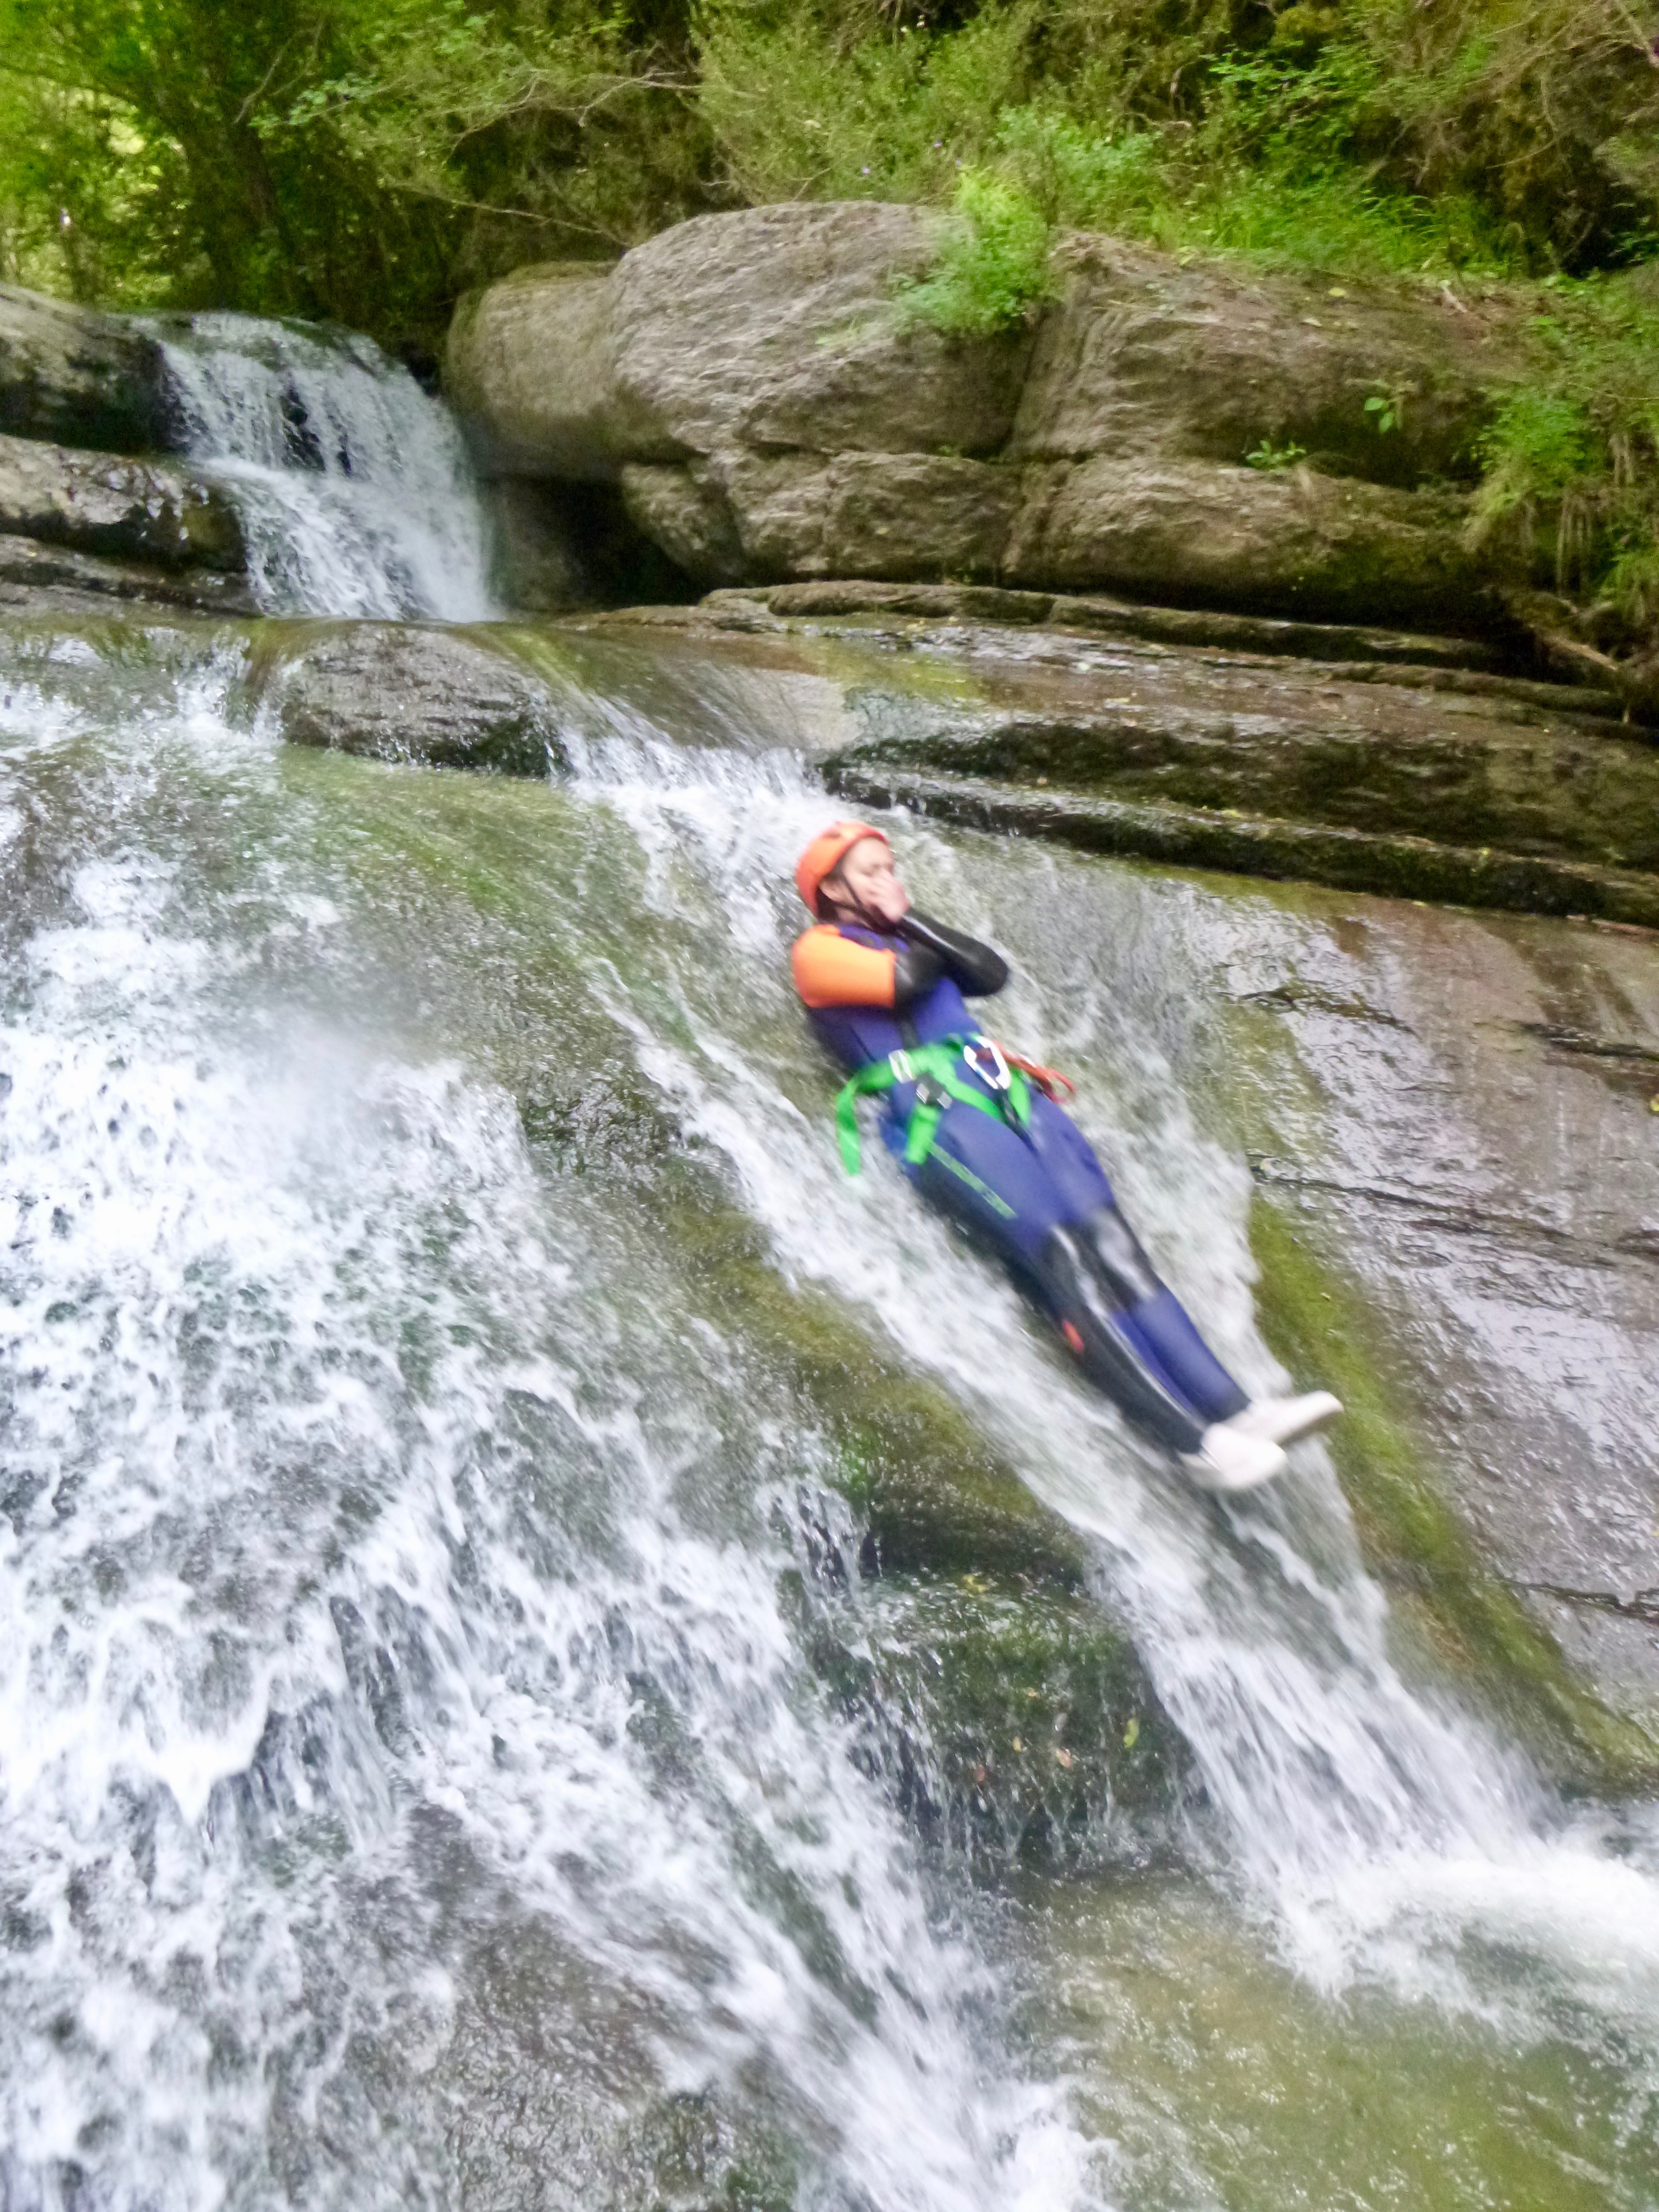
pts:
pixel 418 1784
pixel 353 486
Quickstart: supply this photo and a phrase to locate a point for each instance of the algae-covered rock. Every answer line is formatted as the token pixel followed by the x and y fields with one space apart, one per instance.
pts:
pixel 79 378
pixel 931 1493
pixel 394 691
pixel 1006 1720
pixel 99 503
pixel 1442 1571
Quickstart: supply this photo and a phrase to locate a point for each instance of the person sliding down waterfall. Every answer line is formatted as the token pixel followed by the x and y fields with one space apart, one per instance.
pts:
pixel 980 1134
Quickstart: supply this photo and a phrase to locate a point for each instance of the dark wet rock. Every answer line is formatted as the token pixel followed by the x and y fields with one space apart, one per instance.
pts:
pixel 1490 777
pixel 1450 784
pixel 78 377
pixel 102 504
pixel 680 507
pixel 1406 868
pixel 394 691
pixel 41 579
pixel 538 551
pixel 1008 1722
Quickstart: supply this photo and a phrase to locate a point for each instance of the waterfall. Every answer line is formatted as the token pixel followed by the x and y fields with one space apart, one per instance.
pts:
pixel 354 486
pixel 1381 1831
pixel 416 1782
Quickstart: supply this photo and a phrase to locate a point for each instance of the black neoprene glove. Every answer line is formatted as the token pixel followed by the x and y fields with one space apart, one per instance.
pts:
pixel 973 967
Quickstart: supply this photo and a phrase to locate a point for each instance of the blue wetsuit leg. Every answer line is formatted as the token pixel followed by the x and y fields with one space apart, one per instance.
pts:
pixel 987 1176
pixel 1013 1188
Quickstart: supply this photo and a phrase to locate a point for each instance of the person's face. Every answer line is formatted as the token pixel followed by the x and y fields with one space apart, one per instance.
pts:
pixel 867 882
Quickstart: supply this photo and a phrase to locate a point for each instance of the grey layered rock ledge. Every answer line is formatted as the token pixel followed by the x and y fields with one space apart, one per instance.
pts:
pixel 102 504
pixel 78 377
pixel 769 417
pixel 1368 760
pixel 48 580
pixel 394 691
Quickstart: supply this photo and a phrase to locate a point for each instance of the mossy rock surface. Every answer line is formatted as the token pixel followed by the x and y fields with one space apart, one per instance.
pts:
pixel 931 1494
pixel 1008 1720
pixel 1474 1623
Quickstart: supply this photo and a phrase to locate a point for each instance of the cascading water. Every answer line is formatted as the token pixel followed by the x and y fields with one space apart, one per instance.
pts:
pixel 1382 1833
pixel 417 1785
pixel 353 488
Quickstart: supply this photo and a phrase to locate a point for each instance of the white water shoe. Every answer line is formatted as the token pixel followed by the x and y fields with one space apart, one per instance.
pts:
pixel 1282 1420
pixel 1233 1459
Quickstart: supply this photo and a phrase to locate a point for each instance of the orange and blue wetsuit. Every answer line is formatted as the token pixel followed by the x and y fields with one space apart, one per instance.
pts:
pixel 1004 1161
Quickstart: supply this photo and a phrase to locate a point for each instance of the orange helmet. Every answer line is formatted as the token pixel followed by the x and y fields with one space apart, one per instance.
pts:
pixel 826 855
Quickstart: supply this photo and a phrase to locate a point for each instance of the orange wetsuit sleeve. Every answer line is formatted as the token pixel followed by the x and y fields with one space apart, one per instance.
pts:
pixel 830 970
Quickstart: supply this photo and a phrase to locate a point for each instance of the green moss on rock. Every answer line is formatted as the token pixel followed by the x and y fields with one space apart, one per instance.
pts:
pixel 1413 1539
pixel 907 1455
pixel 1007 1719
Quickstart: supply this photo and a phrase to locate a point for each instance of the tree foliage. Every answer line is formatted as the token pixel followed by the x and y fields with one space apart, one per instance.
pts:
pixel 365 159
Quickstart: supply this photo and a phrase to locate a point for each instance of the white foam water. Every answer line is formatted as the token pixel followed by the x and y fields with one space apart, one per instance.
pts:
pixel 414 1789
pixel 372 1708
pixel 1381 1834
pixel 353 488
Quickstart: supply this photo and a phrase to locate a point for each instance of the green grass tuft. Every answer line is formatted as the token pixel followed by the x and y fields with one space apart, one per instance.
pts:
pixel 992 271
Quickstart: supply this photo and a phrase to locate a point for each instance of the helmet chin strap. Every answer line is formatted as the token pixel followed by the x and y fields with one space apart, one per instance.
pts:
pixel 855 910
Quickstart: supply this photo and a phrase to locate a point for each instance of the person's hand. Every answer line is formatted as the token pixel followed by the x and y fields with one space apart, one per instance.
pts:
pixel 888 901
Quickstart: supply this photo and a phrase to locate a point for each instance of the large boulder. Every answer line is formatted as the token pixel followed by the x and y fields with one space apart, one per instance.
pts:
pixel 765 329
pixel 394 691
pixel 1291 540
pixel 101 503
pixel 1143 354
pixel 771 415
pixel 79 378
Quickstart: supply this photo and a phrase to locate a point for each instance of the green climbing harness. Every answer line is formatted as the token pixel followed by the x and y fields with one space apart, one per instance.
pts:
pixel 932 1069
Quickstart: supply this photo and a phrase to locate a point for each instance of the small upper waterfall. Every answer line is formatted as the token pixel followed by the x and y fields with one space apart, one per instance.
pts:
pixel 353 483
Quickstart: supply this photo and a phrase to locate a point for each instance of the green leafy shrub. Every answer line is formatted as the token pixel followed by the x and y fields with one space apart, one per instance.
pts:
pixel 991 269
pixel 1571 458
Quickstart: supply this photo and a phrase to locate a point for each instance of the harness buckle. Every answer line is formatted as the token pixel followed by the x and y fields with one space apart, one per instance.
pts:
pixel 900 1063
pixel 996 1076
